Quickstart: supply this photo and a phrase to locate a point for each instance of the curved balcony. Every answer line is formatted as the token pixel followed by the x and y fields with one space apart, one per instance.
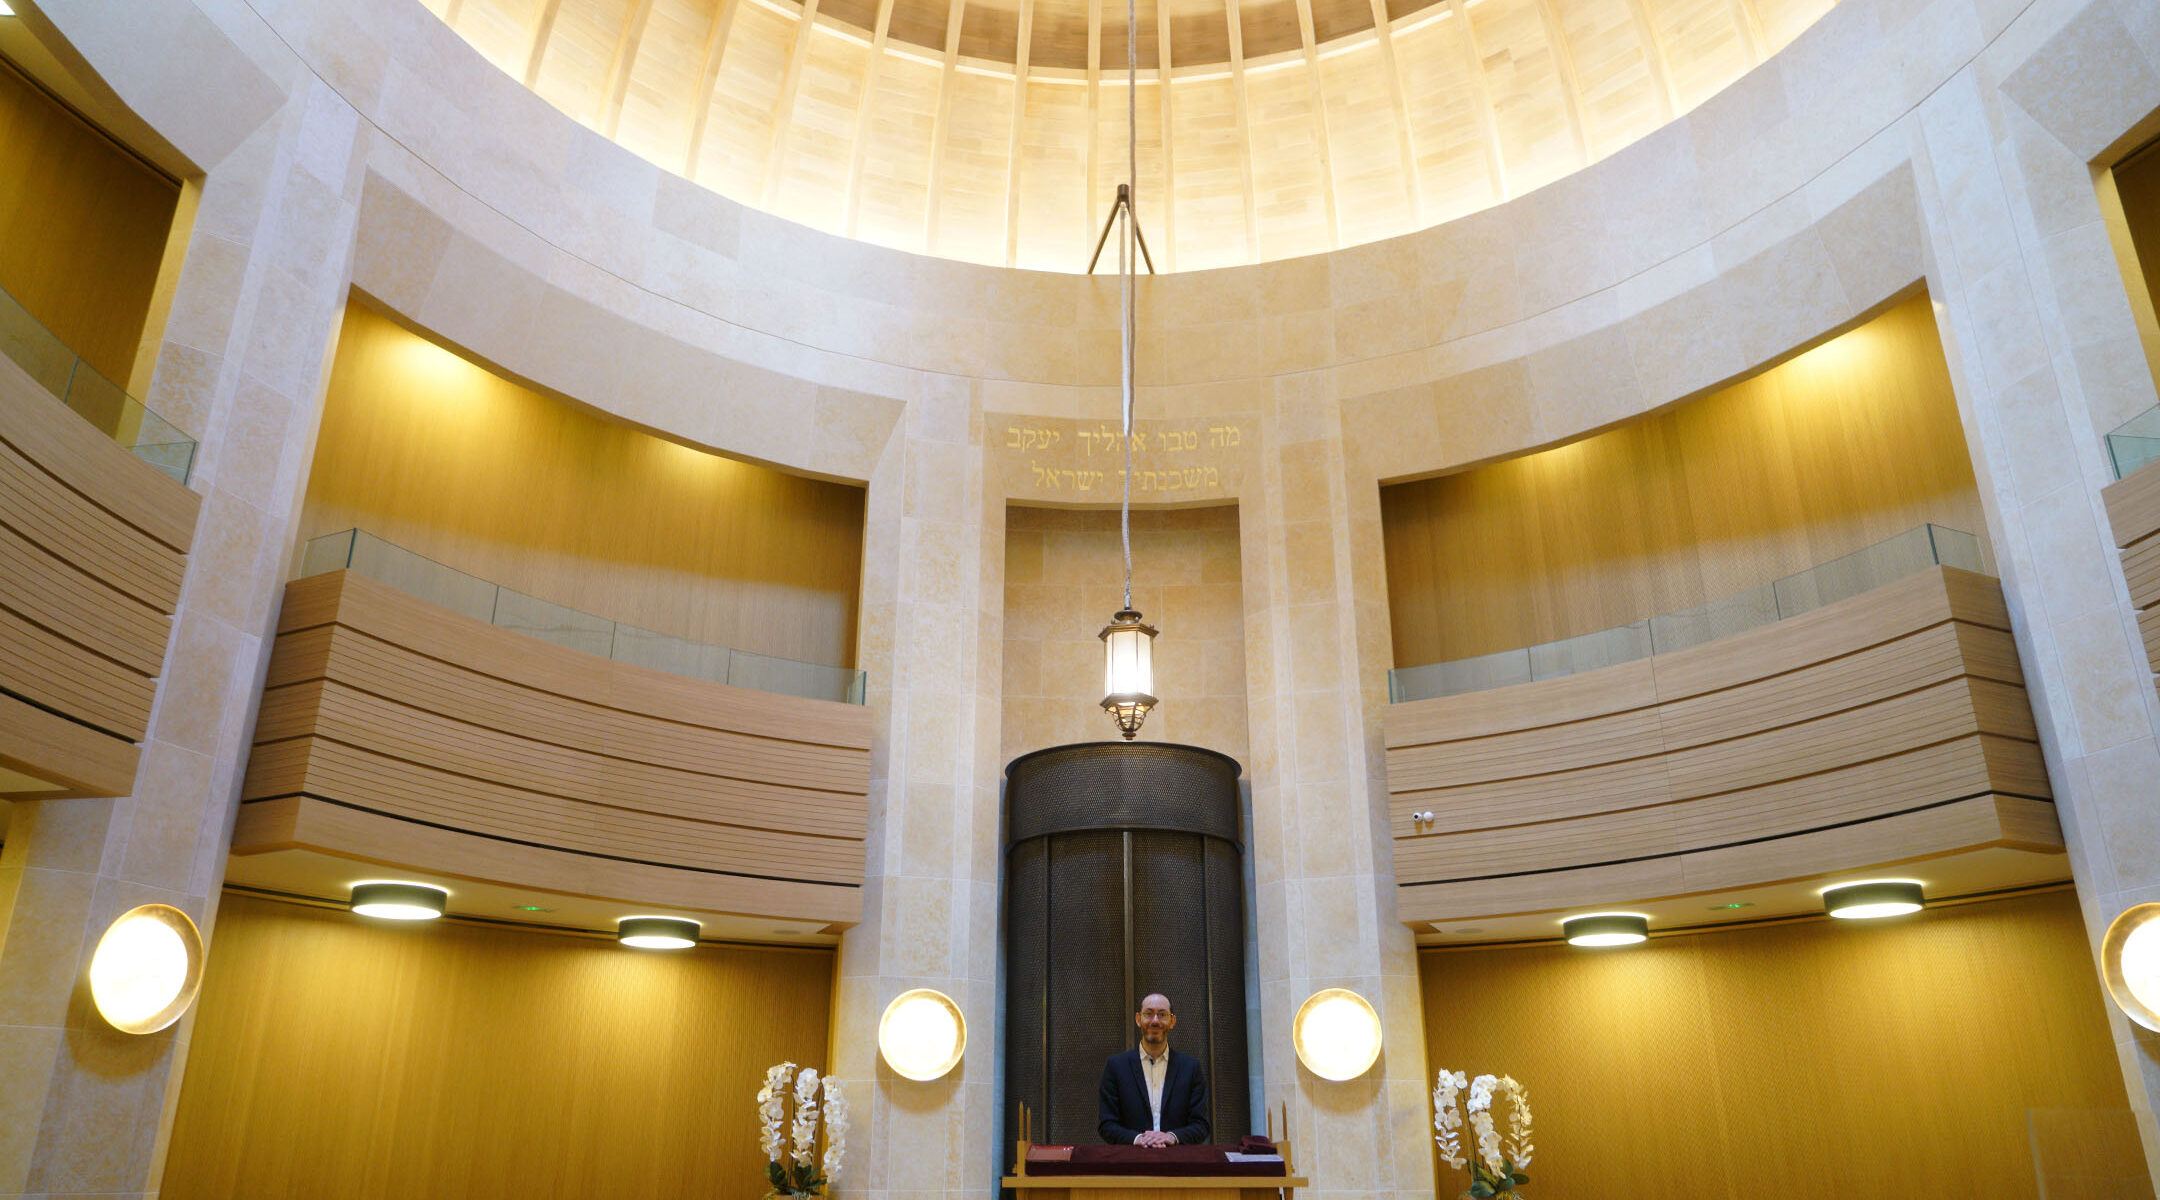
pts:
pixel 1883 729
pixel 399 732
pixel 93 541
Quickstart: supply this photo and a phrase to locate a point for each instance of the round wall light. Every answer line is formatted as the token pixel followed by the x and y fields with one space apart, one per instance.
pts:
pixel 399 901
pixel 1336 1033
pixel 2130 963
pixel 922 1034
pixel 1873 898
pixel 1606 929
pixel 147 968
pixel 657 933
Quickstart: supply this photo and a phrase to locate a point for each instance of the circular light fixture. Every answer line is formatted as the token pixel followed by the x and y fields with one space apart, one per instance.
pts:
pixel 657 933
pixel 1606 929
pixel 1336 1033
pixel 922 1034
pixel 399 901
pixel 147 968
pixel 2130 963
pixel 1873 898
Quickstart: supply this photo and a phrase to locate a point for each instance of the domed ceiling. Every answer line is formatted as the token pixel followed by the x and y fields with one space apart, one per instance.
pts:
pixel 994 130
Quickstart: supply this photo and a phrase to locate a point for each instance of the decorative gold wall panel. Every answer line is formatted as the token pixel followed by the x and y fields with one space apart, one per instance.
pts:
pixel 1844 446
pixel 444 457
pixel 333 1058
pixel 1824 1058
pixel 83 225
pixel 398 732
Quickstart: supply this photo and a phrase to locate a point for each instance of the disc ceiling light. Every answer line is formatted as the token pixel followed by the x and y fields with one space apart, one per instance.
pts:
pixel 147 968
pixel 1128 640
pixel 657 933
pixel 391 901
pixel 1874 898
pixel 922 1034
pixel 1606 929
pixel 1336 1034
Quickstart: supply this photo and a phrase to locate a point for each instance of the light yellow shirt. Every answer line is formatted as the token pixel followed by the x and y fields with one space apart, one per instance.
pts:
pixel 1156 1070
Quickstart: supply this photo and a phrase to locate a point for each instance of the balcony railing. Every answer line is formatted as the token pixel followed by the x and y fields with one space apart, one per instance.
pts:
pixel 361 552
pixel 1908 553
pixel 2134 443
pixel 99 400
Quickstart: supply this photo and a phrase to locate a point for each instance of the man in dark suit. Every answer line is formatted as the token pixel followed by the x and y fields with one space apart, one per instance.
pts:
pixel 1154 1096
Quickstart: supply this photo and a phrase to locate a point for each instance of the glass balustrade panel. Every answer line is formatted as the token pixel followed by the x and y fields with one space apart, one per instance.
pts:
pixel 470 596
pixel 1841 578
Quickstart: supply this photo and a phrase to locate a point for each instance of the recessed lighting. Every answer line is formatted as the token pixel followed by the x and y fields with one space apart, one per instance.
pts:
pixel 399 901
pixel 657 933
pixel 531 908
pixel 1873 898
pixel 1606 929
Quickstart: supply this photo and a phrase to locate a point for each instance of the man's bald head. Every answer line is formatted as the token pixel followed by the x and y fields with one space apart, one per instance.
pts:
pixel 1155 1021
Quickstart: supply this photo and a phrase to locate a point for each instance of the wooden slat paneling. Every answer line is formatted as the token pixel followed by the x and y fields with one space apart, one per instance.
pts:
pixel 400 732
pixel 2133 509
pixel 1751 753
pixel 93 543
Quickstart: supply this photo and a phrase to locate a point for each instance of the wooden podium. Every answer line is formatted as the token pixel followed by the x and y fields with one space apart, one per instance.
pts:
pixel 1186 1185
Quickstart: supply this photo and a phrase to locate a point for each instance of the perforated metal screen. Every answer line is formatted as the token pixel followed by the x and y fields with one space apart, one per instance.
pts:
pixel 1124 876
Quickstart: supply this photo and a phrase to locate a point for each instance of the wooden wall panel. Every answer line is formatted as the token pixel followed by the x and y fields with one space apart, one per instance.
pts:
pixel 445 458
pixel 1808 1059
pixel 334 1058
pixel 1889 726
pixel 93 542
pixel 83 226
pixel 1853 442
pixel 2133 508
pixel 479 753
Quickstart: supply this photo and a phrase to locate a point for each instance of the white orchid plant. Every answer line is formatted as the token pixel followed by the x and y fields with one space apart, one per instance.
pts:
pixel 1495 1163
pixel 788 1116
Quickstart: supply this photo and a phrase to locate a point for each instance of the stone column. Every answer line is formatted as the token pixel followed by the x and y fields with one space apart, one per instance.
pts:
pixel 2045 359
pixel 931 639
pixel 1323 862
pixel 83 1108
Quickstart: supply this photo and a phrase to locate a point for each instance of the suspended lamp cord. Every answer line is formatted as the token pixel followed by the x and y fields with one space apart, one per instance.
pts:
pixel 1126 255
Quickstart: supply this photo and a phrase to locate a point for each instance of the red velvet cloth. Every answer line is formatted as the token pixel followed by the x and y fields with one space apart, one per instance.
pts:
pixel 1167 1160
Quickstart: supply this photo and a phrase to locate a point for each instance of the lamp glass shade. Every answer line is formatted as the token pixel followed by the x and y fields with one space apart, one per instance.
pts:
pixel 2130 963
pixel 1875 898
pixel 1128 670
pixel 657 933
pixel 399 901
pixel 1606 929
pixel 1337 1034
pixel 922 1034
pixel 147 968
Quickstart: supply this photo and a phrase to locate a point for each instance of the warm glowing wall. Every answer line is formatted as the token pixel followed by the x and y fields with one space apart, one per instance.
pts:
pixel 2136 184
pixel 1806 1060
pixel 446 458
pixel 335 1058
pixel 83 226
pixel 1839 448
pixel 1063 574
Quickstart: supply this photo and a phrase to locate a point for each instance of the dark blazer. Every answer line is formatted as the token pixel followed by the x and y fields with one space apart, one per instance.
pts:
pixel 1124 1110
